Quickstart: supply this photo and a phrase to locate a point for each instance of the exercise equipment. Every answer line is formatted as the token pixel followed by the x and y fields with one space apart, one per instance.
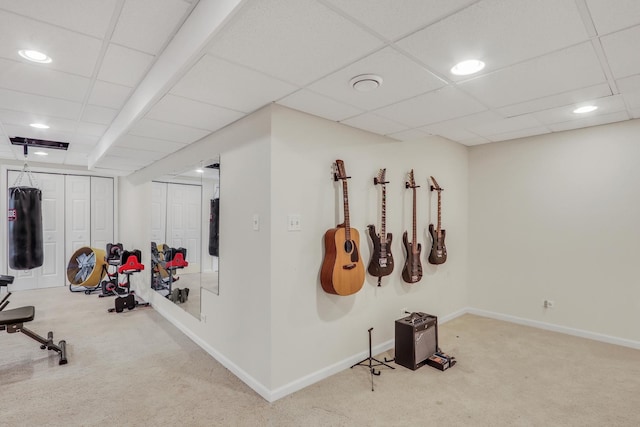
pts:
pixel 130 264
pixel 165 261
pixel 24 215
pixel 113 260
pixel 13 321
pixel 85 269
pixel 25 228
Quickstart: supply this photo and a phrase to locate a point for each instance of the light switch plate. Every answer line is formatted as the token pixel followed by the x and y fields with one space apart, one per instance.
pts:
pixel 293 222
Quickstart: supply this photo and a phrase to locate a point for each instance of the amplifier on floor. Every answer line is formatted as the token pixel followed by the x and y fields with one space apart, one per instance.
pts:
pixel 416 339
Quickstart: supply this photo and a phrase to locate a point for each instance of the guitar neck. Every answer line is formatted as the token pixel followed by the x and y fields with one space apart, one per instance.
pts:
pixel 439 214
pixel 415 234
pixel 345 196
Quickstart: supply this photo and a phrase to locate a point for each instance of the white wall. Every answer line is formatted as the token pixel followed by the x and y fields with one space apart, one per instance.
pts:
pixel 558 217
pixel 236 330
pixel 313 330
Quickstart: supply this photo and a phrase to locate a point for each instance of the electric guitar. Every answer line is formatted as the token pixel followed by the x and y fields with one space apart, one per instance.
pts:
pixel 381 263
pixel 438 254
pixel 342 270
pixel 412 271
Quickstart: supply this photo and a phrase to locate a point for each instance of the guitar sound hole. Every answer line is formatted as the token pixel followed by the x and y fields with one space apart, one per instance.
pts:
pixel 348 246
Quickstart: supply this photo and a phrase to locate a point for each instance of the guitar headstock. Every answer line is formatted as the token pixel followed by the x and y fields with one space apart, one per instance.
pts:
pixel 380 178
pixel 435 186
pixel 411 182
pixel 340 172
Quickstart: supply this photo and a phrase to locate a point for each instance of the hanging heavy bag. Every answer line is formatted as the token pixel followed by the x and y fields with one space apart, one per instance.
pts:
pixel 214 225
pixel 25 228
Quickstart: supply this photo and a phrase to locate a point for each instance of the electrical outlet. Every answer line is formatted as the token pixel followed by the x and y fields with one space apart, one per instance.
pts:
pixel 256 222
pixel 548 303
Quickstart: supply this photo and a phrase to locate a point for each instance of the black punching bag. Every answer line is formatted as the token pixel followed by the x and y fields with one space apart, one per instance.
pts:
pixel 25 228
pixel 214 225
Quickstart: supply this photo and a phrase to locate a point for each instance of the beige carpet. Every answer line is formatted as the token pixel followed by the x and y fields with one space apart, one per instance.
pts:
pixel 135 368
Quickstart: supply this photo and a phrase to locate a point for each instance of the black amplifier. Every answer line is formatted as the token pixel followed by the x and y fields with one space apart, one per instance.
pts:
pixel 416 339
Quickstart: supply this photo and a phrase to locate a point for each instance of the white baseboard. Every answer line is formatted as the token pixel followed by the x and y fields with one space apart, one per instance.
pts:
pixel 556 328
pixel 326 372
pixel 224 361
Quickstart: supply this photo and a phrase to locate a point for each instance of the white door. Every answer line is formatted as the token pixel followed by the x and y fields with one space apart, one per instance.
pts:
pixel 101 212
pixel 158 212
pixel 53 271
pixel 77 213
pixel 184 204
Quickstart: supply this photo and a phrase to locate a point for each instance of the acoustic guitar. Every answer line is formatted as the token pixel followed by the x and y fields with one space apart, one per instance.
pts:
pixel 381 263
pixel 438 254
pixel 412 271
pixel 342 270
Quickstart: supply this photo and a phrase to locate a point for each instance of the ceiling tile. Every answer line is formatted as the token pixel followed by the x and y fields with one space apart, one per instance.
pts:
pixel 590 121
pixel 522 133
pixel 183 111
pixel 402 79
pixel 409 135
pixel 632 99
pixel 167 131
pixel 76 159
pixel 565 98
pixel 606 105
pixel 374 123
pixel 84 16
pixel 218 82
pixel 569 69
pixel 478 140
pixel 101 115
pixel 92 129
pixel 629 84
pixel 148 144
pixel 316 104
pixel 453 133
pixel 620 59
pixel 109 95
pixel 512 124
pixel 42 81
pixel 70 52
pixel 148 155
pixel 21 118
pixel 123 163
pixel 267 36
pixel 392 19
pixel 124 66
pixel 444 104
pixel 464 122
pixel 39 105
pixel 146 25
pixel 499 32
pixel 608 19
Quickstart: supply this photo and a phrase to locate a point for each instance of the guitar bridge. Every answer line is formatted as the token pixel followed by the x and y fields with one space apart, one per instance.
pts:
pixel 349 266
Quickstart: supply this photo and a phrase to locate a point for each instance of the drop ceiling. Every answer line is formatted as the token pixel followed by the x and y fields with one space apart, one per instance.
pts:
pixel 132 81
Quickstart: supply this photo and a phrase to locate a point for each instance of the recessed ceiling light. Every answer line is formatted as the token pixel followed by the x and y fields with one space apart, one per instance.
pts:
pixel 366 82
pixel 200 170
pixel 585 109
pixel 467 67
pixel 34 56
pixel 39 126
pixel 40 153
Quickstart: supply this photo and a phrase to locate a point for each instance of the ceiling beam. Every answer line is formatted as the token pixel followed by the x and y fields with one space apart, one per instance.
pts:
pixel 204 22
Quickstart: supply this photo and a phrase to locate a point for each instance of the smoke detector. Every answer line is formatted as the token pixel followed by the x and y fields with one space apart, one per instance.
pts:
pixel 366 82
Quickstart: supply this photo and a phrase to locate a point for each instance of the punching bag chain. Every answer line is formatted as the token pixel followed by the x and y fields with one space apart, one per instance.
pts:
pixel 27 170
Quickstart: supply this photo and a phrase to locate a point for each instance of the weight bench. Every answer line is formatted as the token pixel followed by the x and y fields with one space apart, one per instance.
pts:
pixel 12 321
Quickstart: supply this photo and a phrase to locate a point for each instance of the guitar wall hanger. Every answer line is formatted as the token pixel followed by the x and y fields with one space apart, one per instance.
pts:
pixel 376 181
pixel 436 189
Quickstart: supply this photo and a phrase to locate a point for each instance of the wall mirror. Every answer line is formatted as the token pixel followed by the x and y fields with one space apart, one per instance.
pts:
pixel 184 234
